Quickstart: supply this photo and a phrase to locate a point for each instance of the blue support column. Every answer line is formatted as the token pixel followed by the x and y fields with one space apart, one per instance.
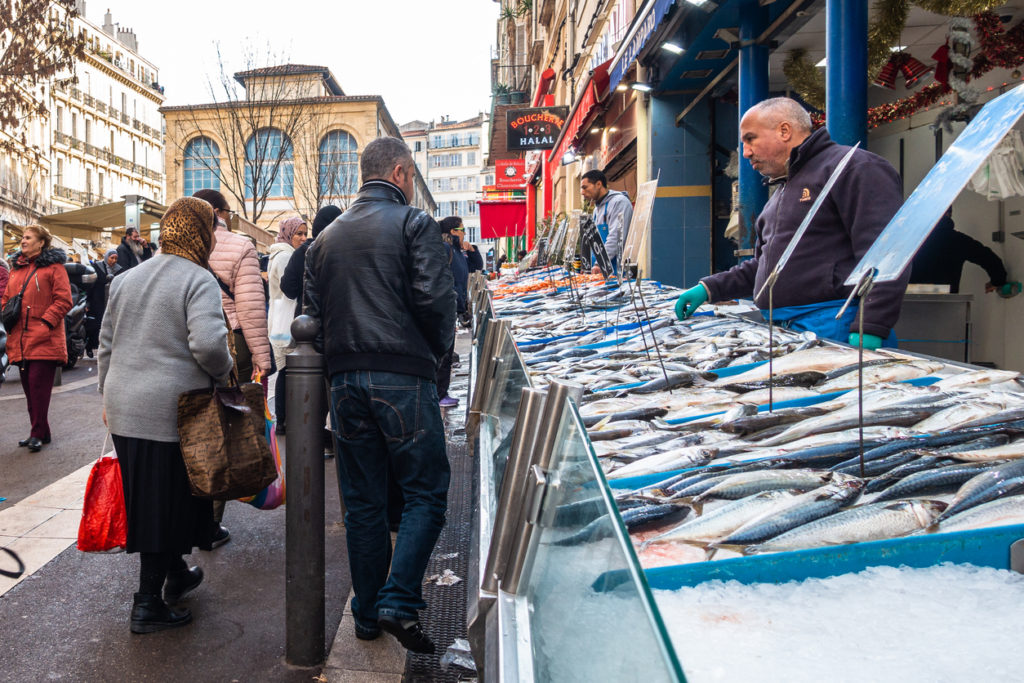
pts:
pixel 753 88
pixel 682 217
pixel 846 47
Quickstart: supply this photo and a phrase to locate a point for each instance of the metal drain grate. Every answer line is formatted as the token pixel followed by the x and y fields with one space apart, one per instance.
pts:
pixel 444 620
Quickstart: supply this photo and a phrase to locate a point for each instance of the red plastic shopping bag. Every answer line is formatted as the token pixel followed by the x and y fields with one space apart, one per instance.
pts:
pixel 104 525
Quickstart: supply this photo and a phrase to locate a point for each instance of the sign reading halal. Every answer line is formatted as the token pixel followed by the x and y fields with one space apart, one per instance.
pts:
pixel 535 128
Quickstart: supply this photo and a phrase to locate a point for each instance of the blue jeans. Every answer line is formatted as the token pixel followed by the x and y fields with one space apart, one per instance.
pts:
pixel 383 418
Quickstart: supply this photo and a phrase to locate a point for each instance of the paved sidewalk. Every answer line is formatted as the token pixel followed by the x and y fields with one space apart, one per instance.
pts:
pixel 383 660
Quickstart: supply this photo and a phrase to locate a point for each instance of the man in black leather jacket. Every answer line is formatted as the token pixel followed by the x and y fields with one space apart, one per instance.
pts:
pixel 378 282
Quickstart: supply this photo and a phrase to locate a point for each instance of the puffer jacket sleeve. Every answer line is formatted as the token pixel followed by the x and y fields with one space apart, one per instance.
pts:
pixel 250 305
pixel 432 284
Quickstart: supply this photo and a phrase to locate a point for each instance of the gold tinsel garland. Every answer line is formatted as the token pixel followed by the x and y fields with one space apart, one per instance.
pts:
pixel 890 18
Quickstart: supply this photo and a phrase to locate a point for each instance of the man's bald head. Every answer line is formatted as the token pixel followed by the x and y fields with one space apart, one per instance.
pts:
pixel 769 132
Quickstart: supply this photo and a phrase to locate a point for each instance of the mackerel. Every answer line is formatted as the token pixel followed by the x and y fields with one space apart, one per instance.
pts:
pixel 805 508
pixel 895 371
pixel 871 522
pixel 933 481
pixel 879 465
pixel 1000 512
pixel 726 519
pixel 634 519
pixel 924 461
pixel 993 483
pixel 748 483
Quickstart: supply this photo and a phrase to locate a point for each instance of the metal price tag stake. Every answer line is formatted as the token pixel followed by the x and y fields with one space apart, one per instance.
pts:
pixel 773 276
pixel 863 288
pixel 647 318
pixel 639 320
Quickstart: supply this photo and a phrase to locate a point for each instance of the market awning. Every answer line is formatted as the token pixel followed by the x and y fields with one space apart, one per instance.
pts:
pixel 502 219
pixel 579 118
pixel 547 77
pixel 90 222
pixel 645 24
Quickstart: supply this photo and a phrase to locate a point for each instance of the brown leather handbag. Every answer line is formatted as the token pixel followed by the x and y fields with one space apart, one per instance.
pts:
pixel 223 443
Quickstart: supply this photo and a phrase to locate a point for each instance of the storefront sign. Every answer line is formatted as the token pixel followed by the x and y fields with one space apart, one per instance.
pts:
pixel 502 219
pixel 534 128
pixel 653 12
pixel 510 174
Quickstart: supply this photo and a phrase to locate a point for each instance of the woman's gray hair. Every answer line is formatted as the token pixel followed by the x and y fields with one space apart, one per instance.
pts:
pixel 780 109
pixel 381 156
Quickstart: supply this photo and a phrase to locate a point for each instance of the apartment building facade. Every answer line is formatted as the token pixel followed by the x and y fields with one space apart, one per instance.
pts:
pixel 101 138
pixel 299 149
pixel 106 131
pixel 451 156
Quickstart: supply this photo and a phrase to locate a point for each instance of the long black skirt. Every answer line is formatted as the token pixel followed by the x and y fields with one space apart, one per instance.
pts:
pixel 163 515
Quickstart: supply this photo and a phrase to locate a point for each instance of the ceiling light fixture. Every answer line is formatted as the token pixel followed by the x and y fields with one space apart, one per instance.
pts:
pixel 621 87
pixel 672 47
pixel 642 87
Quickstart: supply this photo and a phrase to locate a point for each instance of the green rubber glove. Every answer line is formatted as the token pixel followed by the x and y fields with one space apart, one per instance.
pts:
pixel 871 342
pixel 1009 289
pixel 690 300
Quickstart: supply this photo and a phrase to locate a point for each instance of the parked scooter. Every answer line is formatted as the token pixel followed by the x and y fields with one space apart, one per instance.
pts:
pixel 82 278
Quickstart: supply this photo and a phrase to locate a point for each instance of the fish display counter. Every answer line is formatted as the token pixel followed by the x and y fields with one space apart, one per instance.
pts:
pixel 718 449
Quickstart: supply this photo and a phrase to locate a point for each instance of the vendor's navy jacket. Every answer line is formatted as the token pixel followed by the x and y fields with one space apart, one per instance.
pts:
pixel 460 272
pixel 940 260
pixel 858 207
pixel 378 282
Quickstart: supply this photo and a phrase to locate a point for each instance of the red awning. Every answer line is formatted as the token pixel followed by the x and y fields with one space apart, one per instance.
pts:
pixel 543 86
pixel 583 112
pixel 502 219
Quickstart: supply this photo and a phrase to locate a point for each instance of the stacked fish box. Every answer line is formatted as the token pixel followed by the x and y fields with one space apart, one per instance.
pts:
pixel 724 441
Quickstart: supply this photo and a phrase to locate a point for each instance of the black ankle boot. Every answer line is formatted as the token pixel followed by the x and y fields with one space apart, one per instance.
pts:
pixel 181 583
pixel 151 614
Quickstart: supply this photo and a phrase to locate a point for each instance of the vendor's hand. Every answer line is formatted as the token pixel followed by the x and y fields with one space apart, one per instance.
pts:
pixel 871 342
pixel 257 370
pixel 596 270
pixel 690 300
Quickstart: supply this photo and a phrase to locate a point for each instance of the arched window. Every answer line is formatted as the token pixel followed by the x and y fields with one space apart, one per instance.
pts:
pixel 269 169
pixel 202 165
pixel 339 164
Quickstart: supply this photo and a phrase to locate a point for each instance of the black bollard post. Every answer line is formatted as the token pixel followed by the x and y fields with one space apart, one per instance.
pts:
pixel 304 518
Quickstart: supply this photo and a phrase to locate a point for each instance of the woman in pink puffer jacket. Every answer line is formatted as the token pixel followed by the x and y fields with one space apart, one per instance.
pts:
pixel 234 262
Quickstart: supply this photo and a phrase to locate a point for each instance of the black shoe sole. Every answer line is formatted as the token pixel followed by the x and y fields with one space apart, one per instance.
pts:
pixel 367 635
pixel 153 627
pixel 407 639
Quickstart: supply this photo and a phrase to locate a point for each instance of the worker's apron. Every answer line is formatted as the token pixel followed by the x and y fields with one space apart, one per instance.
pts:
pixel 821 320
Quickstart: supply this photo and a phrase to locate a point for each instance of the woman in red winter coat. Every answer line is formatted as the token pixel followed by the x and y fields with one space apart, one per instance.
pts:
pixel 36 342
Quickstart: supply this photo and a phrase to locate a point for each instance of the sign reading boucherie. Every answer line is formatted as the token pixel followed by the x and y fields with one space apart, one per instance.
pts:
pixel 534 128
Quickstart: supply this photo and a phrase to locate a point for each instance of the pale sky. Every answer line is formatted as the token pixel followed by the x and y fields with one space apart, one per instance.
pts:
pixel 427 59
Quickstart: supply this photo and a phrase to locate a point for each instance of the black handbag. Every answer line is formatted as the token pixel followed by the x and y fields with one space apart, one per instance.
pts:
pixel 12 309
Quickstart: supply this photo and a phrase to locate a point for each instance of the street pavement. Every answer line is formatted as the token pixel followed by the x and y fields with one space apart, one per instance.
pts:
pixel 67 618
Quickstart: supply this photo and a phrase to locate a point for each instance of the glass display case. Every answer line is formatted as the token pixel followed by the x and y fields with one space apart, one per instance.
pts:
pixel 579 538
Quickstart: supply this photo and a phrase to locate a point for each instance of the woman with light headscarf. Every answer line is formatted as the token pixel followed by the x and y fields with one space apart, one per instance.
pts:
pixel 167 308
pixel 291 232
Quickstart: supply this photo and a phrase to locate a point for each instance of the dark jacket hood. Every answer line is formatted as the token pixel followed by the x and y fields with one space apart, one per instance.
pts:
pixel 47 257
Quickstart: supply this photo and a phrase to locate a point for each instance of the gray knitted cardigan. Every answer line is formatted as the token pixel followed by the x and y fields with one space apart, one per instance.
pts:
pixel 163 334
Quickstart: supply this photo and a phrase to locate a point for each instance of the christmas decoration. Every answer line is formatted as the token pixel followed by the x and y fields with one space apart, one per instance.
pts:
pixel 996 48
pixel 805 78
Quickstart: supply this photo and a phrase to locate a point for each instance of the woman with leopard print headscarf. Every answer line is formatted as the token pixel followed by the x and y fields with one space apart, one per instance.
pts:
pixel 163 334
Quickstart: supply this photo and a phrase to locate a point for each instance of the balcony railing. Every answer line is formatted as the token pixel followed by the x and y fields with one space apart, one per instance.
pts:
pixel 105 155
